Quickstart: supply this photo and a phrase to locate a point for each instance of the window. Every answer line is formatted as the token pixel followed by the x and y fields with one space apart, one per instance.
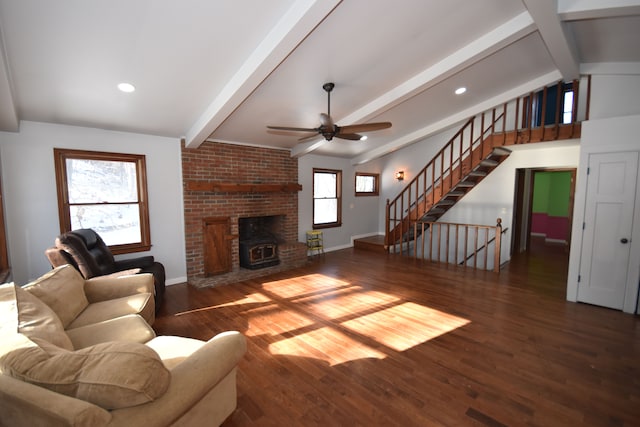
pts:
pixel 106 192
pixel 327 198
pixel 367 184
pixel 567 107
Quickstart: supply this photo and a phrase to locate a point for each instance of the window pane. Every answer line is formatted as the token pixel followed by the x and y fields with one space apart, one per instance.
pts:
pixel 365 184
pixel 567 107
pixel 324 185
pixel 95 181
pixel 325 211
pixel 116 224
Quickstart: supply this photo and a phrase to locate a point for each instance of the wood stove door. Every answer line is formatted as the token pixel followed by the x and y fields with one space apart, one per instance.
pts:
pixel 217 246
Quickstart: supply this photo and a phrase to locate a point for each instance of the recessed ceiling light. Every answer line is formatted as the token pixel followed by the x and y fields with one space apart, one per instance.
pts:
pixel 363 137
pixel 126 87
pixel 461 90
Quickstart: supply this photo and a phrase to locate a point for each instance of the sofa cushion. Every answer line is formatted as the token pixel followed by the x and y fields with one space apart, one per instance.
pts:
pixel 112 375
pixel 129 328
pixel 96 312
pixel 37 320
pixel 62 289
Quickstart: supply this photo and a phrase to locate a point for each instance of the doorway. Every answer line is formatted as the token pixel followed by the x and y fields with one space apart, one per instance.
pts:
pixel 543 213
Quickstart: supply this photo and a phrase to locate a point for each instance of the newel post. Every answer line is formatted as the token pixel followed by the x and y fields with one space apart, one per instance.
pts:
pixel 387 229
pixel 496 257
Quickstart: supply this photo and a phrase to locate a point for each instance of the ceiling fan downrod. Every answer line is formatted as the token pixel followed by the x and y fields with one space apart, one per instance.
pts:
pixel 328 87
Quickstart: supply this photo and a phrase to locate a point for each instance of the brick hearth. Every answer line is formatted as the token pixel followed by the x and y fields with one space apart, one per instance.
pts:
pixel 230 164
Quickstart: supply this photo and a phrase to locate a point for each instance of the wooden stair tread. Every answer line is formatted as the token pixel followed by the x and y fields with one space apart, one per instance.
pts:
pixel 370 243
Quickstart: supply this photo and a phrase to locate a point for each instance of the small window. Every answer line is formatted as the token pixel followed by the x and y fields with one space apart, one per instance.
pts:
pixel 367 184
pixel 106 192
pixel 327 198
pixel 567 107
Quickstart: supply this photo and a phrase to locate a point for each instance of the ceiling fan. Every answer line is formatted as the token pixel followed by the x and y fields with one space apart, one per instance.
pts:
pixel 329 129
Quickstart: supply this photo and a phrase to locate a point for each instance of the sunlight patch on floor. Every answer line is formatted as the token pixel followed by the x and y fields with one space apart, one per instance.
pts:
pixel 404 326
pixel 263 322
pixel 347 301
pixel 254 298
pixel 326 344
pixel 303 285
pixel 363 321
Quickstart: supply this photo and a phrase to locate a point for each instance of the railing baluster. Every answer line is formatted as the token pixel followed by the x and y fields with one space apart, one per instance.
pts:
pixel 543 118
pixel 466 242
pixel 486 248
pixel 530 116
pixel 475 246
pixel 457 242
pixel 447 243
pixel 431 241
pixel 575 86
pixel 515 128
pixel 423 239
pixel 559 96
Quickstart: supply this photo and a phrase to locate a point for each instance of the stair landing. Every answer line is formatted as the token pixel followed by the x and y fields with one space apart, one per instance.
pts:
pixel 371 243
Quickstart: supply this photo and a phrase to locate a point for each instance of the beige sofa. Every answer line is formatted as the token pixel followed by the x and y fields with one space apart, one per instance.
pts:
pixel 77 352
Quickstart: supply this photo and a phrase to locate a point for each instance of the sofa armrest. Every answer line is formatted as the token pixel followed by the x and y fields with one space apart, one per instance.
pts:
pixel 104 288
pixel 139 262
pixel 191 380
pixel 23 404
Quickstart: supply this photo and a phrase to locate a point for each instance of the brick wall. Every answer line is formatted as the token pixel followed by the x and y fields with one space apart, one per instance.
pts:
pixel 225 163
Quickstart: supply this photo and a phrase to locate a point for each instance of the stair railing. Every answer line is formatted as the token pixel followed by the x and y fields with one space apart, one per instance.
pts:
pixel 518 121
pixel 472 245
pixel 443 172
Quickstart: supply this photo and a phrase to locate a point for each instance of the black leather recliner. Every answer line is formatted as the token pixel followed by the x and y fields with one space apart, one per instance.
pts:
pixel 87 252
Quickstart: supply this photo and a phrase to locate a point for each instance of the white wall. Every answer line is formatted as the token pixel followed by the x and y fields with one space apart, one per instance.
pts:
pixel 614 95
pixel 359 216
pixel 30 200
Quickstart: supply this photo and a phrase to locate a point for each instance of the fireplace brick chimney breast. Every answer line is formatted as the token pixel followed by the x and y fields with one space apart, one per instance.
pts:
pixel 231 164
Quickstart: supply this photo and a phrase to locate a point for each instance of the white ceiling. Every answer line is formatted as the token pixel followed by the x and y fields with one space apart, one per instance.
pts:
pixel 223 70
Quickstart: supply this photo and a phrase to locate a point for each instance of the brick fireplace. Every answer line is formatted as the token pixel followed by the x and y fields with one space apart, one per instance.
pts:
pixel 224 183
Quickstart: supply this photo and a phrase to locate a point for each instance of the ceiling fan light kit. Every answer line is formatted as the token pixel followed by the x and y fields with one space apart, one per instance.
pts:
pixel 329 130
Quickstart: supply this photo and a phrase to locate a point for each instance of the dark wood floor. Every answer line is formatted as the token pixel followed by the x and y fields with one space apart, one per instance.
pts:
pixel 360 338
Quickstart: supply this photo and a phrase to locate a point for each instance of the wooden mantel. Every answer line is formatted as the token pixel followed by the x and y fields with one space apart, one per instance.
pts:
pixel 222 187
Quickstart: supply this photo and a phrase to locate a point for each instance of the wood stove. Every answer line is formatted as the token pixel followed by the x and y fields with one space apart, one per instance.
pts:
pixel 259 238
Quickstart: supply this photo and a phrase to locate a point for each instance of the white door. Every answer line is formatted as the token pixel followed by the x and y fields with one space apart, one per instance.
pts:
pixel 608 223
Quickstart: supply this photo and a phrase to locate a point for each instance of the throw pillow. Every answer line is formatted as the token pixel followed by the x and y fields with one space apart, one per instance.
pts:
pixel 37 320
pixel 112 375
pixel 62 289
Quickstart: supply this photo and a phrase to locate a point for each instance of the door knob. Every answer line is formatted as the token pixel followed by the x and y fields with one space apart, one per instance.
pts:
pixel 624 240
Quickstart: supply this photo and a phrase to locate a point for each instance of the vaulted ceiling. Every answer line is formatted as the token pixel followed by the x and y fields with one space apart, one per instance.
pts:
pixel 223 70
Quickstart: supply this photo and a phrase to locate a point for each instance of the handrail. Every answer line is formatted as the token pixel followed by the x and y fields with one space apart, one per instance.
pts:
pixel 453 247
pixel 513 122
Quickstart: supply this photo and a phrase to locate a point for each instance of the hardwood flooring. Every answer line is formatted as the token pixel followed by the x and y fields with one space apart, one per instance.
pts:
pixel 358 338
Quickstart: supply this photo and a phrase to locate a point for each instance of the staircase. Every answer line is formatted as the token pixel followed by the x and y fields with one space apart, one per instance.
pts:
pixel 473 153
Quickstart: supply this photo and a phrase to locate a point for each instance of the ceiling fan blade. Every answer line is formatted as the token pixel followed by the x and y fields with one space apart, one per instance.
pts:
pixel 365 127
pixel 306 138
pixel 293 129
pixel 349 136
